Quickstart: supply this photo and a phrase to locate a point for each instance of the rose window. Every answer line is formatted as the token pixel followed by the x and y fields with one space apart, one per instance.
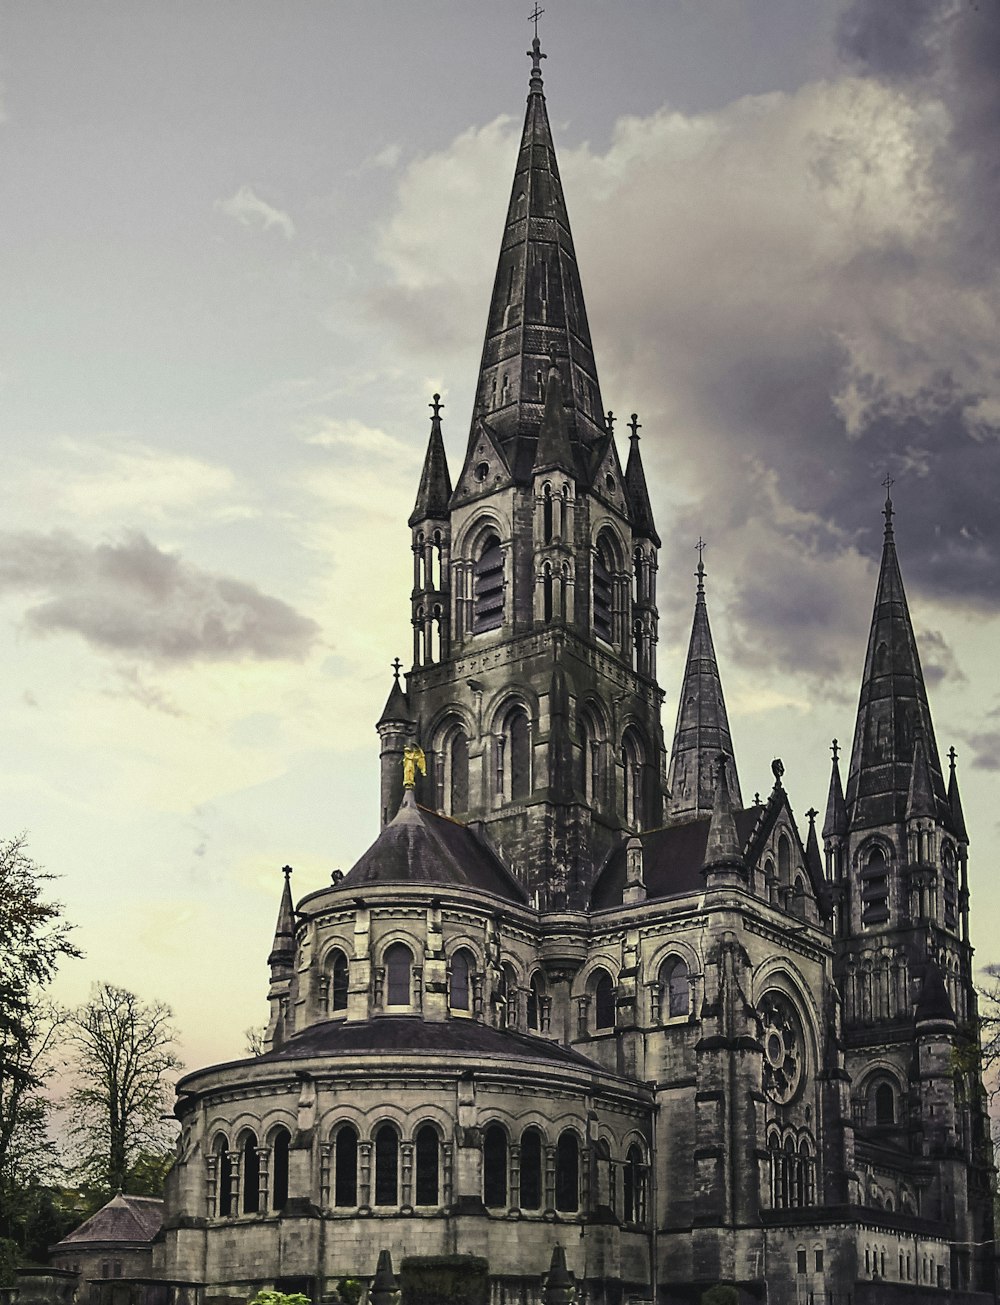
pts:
pixel 782 1039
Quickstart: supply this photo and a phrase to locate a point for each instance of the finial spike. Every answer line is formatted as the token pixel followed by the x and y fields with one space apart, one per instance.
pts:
pixel 611 421
pixel 634 426
pixel 835 749
pixel 700 573
pixel 436 405
pixel 535 53
pixel 397 666
pixel 887 510
pixel 286 870
pixel 952 758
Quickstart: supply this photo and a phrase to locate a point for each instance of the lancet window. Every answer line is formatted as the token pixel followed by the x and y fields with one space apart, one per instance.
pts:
pixel 568 1172
pixel 488 587
pixel 875 888
pixel 675 987
pixel 428 1165
pixel 495 1167
pixel 398 966
pixel 531 1169
pixel 345 1161
pixel 460 980
pixel 451 770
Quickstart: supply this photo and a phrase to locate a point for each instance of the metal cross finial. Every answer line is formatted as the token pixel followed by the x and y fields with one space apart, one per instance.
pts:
pixel 634 426
pixel 835 749
pixel 611 421
pixel 534 16
pixel 286 870
pixel 887 510
pixel 700 573
pixel 811 815
pixel 397 666
pixel 952 756
pixel 437 405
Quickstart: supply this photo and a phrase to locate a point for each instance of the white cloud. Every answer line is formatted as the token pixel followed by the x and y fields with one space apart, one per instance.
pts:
pixel 247 208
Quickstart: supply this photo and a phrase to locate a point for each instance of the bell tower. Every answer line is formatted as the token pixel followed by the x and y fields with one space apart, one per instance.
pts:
pixel 533 689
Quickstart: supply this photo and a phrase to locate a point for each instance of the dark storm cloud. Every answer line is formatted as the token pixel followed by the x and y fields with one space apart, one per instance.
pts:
pixel 898 40
pixel 132 597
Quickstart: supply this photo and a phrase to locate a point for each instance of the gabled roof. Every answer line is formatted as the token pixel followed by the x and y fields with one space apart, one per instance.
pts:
pixel 419 846
pixel 537 315
pixel 702 729
pixel 434 492
pixel 892 709
pixel 672 859
pixel 124 1220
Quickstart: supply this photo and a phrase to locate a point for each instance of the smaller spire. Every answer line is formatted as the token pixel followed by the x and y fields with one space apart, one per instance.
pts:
pixel 813 858
pixel 835 823
pixel 920 803
pixel 397 706
pixel 283 947
pixel 434 492
pixel 723 850
pixel 635 487
pixel 955 801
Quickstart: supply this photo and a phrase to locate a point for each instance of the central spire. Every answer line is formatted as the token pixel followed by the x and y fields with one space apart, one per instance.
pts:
pixel 537 318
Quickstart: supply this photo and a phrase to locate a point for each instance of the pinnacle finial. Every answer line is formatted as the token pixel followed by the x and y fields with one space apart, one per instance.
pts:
pixel 952 758
pixel 397 666
pixel 811 815
pixel 835 749
pixel 887 510
pixel 286 870
pixel 611 421
pixel 700 573
pixel 635 426
pixel 535 53
pixel 437 405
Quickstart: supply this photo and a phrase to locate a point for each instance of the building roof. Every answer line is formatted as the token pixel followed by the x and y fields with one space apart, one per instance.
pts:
pixel 124 1220
pixel 537 315
pixel 420 846
pixel 411 1033
pixel 672 859
pixel 892 710
pixel 702 729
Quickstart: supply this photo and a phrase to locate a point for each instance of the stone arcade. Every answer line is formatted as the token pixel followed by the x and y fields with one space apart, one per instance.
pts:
pixel 570 998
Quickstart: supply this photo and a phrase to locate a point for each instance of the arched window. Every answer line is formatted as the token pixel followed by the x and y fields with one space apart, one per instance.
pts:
pixel 251 1174
pixel 568 1172
pixel 603 588
pixel 337 965
pixel 428 1158
pixel 386 1166
pixel 546 512
pixel 224 1177
pixel 487 587
pixel 451 771
pixel 784 861
pixel 517 740
pixel 604 1000
pixel 460 978
pixel 635 1186
pixel 885 1104
pixel 633 756
pixel 777 1172
pixel 547 591
pixel 281 1140
pixel 534 1004
pixel 675 986
pixel 398 964
pixel 590 758
pixel 875 888
pixel 531 1169
pixel 807 1177
pixel 799 897
pixel 508 1015
pixel 495 1167
pixel 345 1160
pixel 950 886
pixel 792 1176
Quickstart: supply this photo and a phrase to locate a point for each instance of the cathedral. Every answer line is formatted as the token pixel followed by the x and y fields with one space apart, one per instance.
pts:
pixel 578 996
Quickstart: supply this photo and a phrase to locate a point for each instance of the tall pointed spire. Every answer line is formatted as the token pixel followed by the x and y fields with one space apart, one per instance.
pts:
pixel 283 947
pixel 702 730
pixel 537 314
pixel 635 486
pixel 435 482
pixel 955 801
pixel 892 709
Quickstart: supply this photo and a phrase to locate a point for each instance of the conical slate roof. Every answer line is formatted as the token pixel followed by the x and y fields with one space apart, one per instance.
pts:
pixel 397 706
pixel 537 314
pixel 283 947
pixel 835 823
pixel 955 802
pixel 434 492
pixel 892 710
pixel 702 730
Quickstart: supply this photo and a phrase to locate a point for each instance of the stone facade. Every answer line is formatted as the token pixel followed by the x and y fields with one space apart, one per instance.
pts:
pixel 561 1003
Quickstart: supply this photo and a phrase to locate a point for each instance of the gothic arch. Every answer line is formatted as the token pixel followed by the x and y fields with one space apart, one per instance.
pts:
pixel 470 536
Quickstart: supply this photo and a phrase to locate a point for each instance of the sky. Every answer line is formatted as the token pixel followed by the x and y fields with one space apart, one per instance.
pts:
pixel 242 244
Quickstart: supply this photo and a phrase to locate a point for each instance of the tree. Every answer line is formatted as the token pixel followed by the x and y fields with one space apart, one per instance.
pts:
pixel 124 1052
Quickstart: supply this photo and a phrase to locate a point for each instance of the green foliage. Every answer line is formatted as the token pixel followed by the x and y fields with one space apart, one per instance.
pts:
pixel 8 1261
pixel 279 1298
pixel 720 1295
pixel 350 1290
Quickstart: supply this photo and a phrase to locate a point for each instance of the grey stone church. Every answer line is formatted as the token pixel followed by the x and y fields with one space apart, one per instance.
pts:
pixel 578 993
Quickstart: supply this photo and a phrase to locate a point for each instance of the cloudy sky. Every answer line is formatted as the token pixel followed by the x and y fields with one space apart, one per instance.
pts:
pixel 241 245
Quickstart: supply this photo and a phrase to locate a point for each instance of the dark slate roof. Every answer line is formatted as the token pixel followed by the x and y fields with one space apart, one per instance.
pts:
pixel 125 1219
pixel 672 859
pixel 419 846
pixel 702 729
pixel 537 315
pixel 434 492
pixel 892 710
pixel 638 495
pixel 397 706
pixel 410 1033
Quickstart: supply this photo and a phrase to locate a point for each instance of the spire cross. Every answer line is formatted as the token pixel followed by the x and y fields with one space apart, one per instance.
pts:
pixel 835 749
pixel 811 815
pixel 533 17
pixel 397 666
pixel 437 405
pixel 286 870
pixel 700 573
pixel 952 756
pixel 611 421
pixel 634 426
pixel 887 510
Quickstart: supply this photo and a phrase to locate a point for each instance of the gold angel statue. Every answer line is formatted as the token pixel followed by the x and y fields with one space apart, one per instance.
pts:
pixel 413 760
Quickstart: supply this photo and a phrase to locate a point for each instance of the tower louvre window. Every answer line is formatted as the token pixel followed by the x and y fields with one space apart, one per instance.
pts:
pixel 602 595
pixel 875 889
pixel 604 1001
pixel 950 886
pixel 488 587
pixel 675 986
